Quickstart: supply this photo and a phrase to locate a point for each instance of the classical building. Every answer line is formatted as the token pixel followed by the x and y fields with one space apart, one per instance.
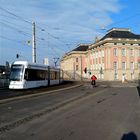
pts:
pixel 114 56
pixel 73 63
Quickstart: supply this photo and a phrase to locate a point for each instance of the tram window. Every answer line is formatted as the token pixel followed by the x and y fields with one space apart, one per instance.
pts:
pixel 54 75
pixel 16 72
pixel 33 75
pixel 51 75
pixel 26 75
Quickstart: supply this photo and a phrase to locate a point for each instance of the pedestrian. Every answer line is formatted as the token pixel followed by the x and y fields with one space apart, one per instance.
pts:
pixel 124 80
pixel 93 80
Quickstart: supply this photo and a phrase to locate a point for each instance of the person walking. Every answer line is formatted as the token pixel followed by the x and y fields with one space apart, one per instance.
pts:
pixel 93 78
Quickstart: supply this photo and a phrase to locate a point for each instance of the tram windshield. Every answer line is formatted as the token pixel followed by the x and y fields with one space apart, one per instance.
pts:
pixel 16 72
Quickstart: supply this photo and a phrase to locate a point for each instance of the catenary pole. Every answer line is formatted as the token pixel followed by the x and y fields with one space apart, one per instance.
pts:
pixel 33 43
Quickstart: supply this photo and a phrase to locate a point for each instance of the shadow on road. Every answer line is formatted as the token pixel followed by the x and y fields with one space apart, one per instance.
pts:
pixel 129 136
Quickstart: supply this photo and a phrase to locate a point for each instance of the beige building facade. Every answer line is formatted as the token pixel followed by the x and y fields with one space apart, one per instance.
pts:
pixel 114 57
pixel 73 63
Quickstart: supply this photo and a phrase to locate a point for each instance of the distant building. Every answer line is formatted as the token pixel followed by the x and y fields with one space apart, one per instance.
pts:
pixel 46 61
pixel 114 56
pixel 73 63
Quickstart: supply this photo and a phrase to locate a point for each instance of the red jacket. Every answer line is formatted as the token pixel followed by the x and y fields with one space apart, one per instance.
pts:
pixel 93 77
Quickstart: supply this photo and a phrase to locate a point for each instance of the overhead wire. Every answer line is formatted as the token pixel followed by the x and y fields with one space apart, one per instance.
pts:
pixel 17 25
pixel 21 31
pixel 37 26
pixel 13 40
pixel 27 33
pixel 16 29
pixel 27 21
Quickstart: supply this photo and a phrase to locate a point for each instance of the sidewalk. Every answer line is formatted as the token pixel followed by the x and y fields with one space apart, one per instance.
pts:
pixel 115 83
pixel 118 84
pixel 98 83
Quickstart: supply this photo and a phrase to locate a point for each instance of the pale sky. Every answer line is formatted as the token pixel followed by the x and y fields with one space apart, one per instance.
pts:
pixel 60 25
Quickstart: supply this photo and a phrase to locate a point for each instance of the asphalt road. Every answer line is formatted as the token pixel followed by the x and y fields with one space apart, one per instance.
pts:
pixel 7 93
pixel 89 114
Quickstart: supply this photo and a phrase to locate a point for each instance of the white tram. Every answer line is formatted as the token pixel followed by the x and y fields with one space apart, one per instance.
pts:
pixel 26 75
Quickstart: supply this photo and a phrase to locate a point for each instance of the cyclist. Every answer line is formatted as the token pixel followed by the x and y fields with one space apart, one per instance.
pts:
pixel 93 78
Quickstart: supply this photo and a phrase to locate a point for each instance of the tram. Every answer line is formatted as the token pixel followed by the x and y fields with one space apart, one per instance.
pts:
pixel 25 75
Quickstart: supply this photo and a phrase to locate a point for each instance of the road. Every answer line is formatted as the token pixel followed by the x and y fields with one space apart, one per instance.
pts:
pixel 7 93
pixel 82 113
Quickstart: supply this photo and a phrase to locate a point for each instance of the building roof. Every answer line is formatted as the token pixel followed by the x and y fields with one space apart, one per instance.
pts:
pixel 81 47
pixel 120 33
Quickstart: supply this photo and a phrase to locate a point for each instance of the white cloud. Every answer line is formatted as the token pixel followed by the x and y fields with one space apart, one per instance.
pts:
pixel 75 20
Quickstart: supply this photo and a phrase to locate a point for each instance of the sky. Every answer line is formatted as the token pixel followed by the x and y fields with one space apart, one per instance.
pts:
pixel 60 25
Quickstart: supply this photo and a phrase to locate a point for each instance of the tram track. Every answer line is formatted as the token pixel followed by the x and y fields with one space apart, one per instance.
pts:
pixel 10 95
pixel 25 96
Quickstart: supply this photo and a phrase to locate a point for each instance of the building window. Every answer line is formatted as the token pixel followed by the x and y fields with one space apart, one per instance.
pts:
pixel 123 43
pixel 97 54
pixel 115 43
pixel 131 65
pixel 131 52
pixel 115 76
pixel 76 67
pixel 139 52
pixel 123 65
pixel 102 53
pixel 123 52
pixel 132 76
pixel 115 65
pixel 77 59
pixel 139 65
pixel 115 52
